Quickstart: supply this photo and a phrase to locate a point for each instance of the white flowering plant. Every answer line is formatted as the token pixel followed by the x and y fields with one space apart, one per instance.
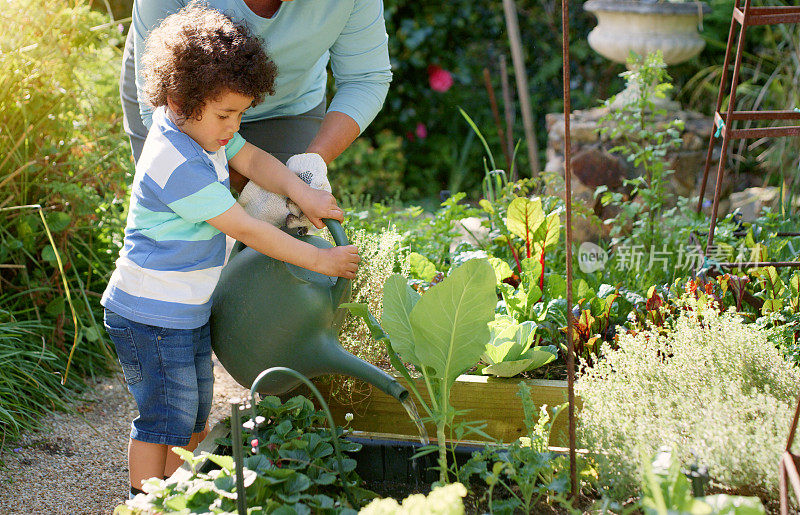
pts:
pixel 443 500
pixel 706 384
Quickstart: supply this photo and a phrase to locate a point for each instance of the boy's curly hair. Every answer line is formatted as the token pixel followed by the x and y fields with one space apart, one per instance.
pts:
pixel 199 53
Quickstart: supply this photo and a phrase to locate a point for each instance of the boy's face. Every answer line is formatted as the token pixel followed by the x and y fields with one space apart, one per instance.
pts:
pixel 219 120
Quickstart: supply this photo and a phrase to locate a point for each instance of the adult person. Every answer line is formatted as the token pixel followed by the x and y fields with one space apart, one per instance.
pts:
pixel 302 36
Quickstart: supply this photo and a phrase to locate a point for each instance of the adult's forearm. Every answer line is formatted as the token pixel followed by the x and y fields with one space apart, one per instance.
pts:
pixel 337 132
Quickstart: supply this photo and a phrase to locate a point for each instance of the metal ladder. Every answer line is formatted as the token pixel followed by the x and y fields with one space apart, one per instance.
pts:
pixel 724 122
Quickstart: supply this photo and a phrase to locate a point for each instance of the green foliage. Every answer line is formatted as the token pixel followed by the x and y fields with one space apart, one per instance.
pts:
pixel 443 500
pixel 666 491
pixel 524 472
pixel 645 142
pixel 381 256
pixel 294 471
pixel 463 37
pixel 62 147
pixel 373 171
pixel 442 333
pixel 705 383
pixel 29 380
pixel 511 349
pixel 768 80
pixel 428 234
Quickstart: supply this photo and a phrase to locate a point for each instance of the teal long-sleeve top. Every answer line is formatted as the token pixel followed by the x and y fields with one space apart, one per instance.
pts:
pixel 301 38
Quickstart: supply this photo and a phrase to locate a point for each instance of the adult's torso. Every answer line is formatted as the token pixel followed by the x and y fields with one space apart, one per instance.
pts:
pixel 297 37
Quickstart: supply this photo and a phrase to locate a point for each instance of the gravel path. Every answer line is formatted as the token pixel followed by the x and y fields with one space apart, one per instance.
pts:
pixel 77 462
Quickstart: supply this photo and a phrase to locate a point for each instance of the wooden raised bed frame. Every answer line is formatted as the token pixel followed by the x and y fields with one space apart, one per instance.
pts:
pixel 492 400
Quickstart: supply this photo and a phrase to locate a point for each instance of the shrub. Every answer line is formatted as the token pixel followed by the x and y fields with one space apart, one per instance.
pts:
pixel 367 171
pixel 711 387
pixel 61 146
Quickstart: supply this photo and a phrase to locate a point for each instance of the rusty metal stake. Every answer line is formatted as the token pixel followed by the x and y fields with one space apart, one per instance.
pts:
pixel 573 468
pixel 789 465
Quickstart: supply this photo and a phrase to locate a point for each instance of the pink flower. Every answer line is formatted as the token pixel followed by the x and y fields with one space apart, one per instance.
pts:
pixel 440 79
pixel 421 131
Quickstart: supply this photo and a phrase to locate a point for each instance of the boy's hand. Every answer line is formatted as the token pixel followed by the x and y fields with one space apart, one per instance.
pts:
pixel 338 261
pixel 318 204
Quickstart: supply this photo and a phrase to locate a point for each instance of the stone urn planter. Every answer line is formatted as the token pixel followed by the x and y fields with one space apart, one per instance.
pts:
pixel 644 27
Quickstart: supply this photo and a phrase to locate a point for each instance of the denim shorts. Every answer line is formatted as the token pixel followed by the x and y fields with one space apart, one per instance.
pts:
pixel 170 374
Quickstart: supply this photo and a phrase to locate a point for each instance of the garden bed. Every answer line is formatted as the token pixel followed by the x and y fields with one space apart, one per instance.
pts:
pixel 490 399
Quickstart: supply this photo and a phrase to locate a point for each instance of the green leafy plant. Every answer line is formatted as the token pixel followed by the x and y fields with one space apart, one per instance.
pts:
pixel 513 348
pixel 381 256
pixel 526 472
pixel 443 333
pixel 373 171
pixel 645 139
pixel 61 148
pixel 666 491
pixel 294 470
pixel 594 324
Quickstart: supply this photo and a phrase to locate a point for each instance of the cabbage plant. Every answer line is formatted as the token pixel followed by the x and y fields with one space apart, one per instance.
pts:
pixel 511 348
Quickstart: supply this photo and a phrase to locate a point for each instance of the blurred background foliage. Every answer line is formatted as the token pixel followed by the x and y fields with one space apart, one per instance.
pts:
pixel 61 147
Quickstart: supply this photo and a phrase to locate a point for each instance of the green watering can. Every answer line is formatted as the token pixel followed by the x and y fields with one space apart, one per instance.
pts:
pixel 267 313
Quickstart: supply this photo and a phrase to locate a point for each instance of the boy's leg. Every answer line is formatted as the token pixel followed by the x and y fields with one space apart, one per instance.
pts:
pixel 145 460
pixel 204 380
pixel 173 461
pixel 159 368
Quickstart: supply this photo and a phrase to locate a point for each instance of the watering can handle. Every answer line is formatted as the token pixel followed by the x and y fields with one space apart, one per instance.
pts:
pixel 340 238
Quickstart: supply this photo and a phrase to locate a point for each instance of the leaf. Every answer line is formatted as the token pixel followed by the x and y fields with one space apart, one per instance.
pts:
pixel 450 322
pixel 57 221
pixel 226 462
pixel 794 287
pixel 548 232
pixel 584 291
pixel 91 334
pixel 398 301
pixel 507 368
pixel 541 356
pixel 772 282
pixel 421 267
pixel 501 269
pixel 556 286
pixel 524 217
pixel 49 255
pixel 510 342
pixel 362 310
pixel 55 307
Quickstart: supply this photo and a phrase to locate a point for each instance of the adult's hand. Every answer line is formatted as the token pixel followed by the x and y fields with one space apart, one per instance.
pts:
pixel 311 168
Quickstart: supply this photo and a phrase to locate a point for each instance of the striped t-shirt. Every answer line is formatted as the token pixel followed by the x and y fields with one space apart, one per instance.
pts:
pixel 172 258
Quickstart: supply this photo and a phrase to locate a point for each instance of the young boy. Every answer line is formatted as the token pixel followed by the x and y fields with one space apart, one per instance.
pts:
pixel 202 71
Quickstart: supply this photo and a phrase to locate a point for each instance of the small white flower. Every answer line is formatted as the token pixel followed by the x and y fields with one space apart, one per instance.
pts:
pixel 348 417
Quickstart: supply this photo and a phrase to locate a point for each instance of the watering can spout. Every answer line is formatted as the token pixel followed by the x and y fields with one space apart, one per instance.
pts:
pixel 342 362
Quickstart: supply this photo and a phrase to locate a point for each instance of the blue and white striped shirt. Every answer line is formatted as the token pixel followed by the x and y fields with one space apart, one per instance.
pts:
pixel 172 258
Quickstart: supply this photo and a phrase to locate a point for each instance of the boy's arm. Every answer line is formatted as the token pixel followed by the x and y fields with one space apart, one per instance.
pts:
pixel 269 240
pixel 272 175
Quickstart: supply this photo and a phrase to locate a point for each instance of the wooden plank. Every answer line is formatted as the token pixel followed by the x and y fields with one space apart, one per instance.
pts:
pixel 492 400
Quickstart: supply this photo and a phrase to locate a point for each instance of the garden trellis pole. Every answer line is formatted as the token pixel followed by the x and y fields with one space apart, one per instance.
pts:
pixel 573 469
pixel 512 25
